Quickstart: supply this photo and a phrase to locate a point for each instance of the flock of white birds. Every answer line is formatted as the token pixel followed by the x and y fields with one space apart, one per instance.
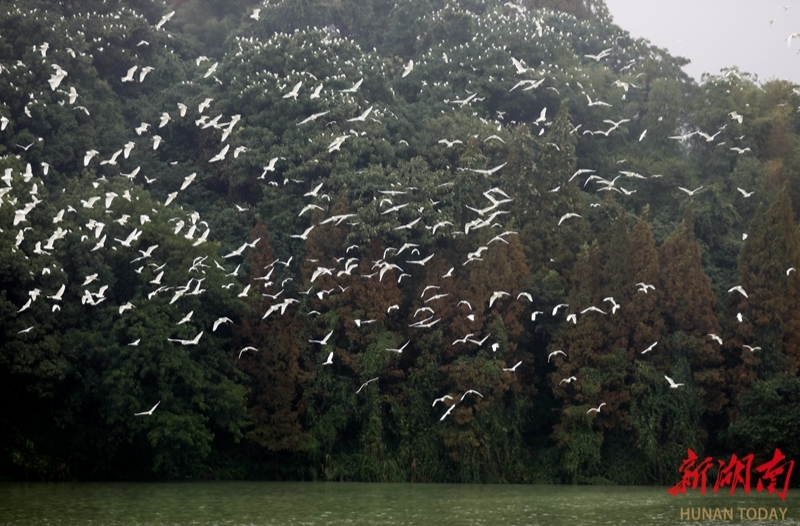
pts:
pixel 106 227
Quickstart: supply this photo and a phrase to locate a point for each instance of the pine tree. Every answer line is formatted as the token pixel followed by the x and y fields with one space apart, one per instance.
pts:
pixel 688 311
pixel 772 306
pixel 275 369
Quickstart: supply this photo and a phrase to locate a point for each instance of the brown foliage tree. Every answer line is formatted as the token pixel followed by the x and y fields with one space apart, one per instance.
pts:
pixel 688 311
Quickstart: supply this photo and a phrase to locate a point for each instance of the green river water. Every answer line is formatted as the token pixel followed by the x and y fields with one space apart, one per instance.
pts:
pixel 326 504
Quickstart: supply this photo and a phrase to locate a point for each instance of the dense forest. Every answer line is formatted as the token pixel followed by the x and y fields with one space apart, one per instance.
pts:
pixel 363 240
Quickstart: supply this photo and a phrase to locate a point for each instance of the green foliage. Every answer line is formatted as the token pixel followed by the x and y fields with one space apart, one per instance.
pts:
pixel 457 131
pixel 768 417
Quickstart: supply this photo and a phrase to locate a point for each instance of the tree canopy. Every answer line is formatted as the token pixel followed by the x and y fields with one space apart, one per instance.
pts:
pixel 426 241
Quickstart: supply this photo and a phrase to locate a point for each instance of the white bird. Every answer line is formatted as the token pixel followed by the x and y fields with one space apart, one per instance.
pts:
pixel 407 69
pixel 420 261
pixel 470 391
pixel 148 413
pixel 329 361
pixel 270 167
pixel 497 295
pixel 353 88
pixel 133 236
pixel 738 288
pixel 690 192
pixel 165 118
pixel 596 102
pixel 129 76
pixel 513 369
pixel 221 155
pixel 164 19
pixel 157 141
pixel 113 159
pixel 186 318
pixel 57 296
pixel 309 207
pixel 595 409
pixel 295 91
pixel 751 349
pixel 555 309
pixel 568 380
pixel 643 287
pixel 56 78
pixel 400 350
pixel 567 216
pixel 88 157
pixel 708 137
pixel 203 105
pixel 309 119
pixel 314 192
pixel 447 412
pixel 362 117
pixel 715 338
pixel 442 400
pixel 323 341
pixel 603 54
pixel 489 171
pixel 519 66
pixel 534 314
pixel 193 341
pixel 304 235
pixel 182 109
pixel 366 383
pixel 463 340
pixel 248 348
pixel 652 346
pixel 188 180
pixel 143 73
pixel 672 383
pixel 337 143
pixel 219 322
pixel 555 353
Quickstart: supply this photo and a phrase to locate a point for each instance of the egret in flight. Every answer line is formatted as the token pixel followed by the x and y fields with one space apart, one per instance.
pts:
pixel 672 383
pixel 148 413
pixel 595 409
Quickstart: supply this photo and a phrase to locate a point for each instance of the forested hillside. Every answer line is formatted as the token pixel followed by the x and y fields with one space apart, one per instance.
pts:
pixel 363 240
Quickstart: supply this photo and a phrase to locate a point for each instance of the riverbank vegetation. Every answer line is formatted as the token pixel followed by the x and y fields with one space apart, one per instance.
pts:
pixel 442 195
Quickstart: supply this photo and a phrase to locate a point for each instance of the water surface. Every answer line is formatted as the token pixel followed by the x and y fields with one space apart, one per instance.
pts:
pixel 355 504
